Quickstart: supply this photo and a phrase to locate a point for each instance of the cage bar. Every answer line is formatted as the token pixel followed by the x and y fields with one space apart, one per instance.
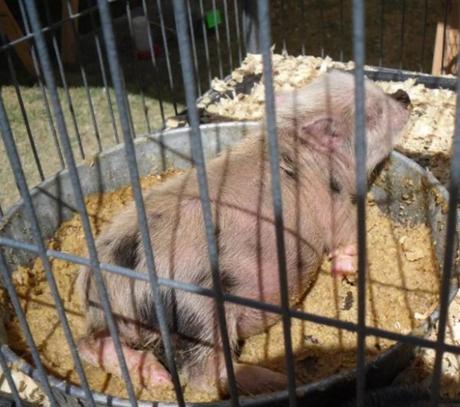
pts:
pixel 265 43
pixel 7 282
pixel 21 182
pixel 50 81
pixel 449 252
pixel 134 177
pixel 250 26
pixel 361 190
pixel 198 160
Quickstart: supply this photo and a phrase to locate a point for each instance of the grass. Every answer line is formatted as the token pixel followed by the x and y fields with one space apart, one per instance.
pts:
pixel 42 133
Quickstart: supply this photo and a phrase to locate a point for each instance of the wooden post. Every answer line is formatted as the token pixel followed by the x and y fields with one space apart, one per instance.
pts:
pixel 68 40
pixel 451 47
pixel 12 31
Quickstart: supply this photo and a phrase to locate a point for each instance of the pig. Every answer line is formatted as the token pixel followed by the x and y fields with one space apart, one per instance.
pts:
pixel 315 129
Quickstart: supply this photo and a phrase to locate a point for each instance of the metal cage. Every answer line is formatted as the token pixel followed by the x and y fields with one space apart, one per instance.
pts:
pixel 101 47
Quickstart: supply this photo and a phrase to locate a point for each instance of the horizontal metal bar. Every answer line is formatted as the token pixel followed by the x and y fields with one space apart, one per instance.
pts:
pixel 262 306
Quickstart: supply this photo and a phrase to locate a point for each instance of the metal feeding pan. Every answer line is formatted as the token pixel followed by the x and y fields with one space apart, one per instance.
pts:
pixel 54 203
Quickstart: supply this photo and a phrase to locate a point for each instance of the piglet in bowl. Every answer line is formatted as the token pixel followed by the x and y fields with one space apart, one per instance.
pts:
pixel 316 134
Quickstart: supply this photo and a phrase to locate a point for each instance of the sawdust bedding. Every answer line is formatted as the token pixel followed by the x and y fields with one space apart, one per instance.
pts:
pixel 402 290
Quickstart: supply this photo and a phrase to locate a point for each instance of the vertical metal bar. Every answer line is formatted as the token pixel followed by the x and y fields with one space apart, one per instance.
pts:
pixel 449 253
pixel 104 78
pixel 9 379
pixel 342 33
pixel 68 97
pixel 302 18
pixel 403 26
pixel 137 192
pixel 237 30
pixel 21 183
pixel 84 78
pixel 321 25
pixel 6 281
pixel 361 188
pixel 42 88
pixel 24 113
pixel 382 30
pixel 227 35
pixel 192 37
pixel 217 34
pixel 139 78
pixel 206 46
pixel 423 47
pixel 250 26
pixel 265 44
pixel 167 57
pixel 78 193
pixel 64 82
pixel 444 35
pixel 157 76
pixel 284 16
pixel 198 158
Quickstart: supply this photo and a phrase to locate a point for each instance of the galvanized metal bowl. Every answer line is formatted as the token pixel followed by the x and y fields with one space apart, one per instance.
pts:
pixel 54 203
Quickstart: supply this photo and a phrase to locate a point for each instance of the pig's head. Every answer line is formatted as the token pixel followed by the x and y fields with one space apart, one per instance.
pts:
pixel 322 116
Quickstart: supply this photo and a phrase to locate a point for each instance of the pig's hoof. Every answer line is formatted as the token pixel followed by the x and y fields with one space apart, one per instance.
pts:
pixel 150 372
pixel 344 261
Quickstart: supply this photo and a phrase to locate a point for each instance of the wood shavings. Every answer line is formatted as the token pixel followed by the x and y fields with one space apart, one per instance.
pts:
pixel 27 388
pixel 427 137
pixel 422 367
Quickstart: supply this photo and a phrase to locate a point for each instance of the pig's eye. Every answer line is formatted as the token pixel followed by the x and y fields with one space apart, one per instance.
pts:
pixel 373 116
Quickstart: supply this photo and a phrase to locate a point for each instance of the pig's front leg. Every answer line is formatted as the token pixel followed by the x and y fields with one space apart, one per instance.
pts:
pixel 143 366
pixel 344 250
pixel 344 260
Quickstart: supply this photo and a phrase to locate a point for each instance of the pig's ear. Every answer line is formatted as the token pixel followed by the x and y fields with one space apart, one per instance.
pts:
pixel 323 134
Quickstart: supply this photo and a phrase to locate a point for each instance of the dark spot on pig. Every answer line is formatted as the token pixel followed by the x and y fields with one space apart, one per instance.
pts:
pixel 148 314
pixel 353 199
pixel 125 252
pixel 287 165
pixel 334 185
pixel 155 217
pixel 228 281
pixel 190 329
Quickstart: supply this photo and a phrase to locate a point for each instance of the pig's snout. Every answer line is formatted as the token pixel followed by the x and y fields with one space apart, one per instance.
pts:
pixel 402 97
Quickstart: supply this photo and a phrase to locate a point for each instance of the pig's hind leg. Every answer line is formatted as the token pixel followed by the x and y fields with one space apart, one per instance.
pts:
pixel 210 373
pixel 204 363
pixel 144 368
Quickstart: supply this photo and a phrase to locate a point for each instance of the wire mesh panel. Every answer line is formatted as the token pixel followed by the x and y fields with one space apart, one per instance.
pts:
pixel 116 289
